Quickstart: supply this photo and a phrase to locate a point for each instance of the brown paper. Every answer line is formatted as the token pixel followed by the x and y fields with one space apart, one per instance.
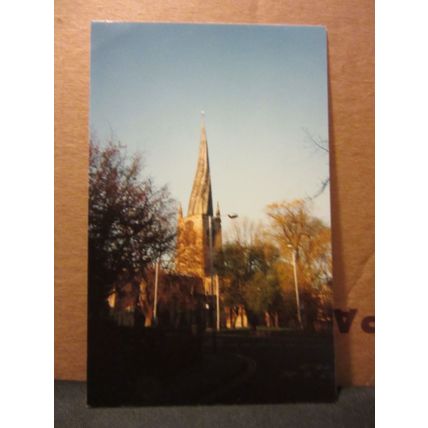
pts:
pixel 350 27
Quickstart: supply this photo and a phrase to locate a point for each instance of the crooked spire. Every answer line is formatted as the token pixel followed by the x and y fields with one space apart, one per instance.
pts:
pixel 201 197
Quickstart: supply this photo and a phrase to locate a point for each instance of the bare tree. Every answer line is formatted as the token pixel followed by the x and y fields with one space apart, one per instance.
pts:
pixel 322 145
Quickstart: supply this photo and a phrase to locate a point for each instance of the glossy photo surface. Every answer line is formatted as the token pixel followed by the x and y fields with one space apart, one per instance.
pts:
pixel 209 253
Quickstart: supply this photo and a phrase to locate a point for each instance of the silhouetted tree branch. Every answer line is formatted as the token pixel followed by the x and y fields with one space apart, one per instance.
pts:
pixel 321 144
pixel 131 221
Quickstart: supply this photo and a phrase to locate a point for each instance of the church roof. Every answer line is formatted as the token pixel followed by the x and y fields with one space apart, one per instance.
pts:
pixel 201 198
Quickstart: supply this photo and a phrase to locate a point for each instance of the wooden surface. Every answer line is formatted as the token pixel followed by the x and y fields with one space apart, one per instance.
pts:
pixel 350 26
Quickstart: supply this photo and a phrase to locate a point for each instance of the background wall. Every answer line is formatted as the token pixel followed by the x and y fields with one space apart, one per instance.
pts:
pixel 350 26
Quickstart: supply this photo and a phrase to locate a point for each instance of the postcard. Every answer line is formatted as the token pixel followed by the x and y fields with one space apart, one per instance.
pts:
pixel 209 239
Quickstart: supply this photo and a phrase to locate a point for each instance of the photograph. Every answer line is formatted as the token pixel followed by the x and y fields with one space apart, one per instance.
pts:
pixel 210 278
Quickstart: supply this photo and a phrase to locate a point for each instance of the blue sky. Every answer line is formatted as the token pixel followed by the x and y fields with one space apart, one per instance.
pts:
pixel 260 87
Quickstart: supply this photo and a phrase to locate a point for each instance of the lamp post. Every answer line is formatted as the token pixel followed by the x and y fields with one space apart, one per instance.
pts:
pixel 155 303
pixel 296 285
pixel 210 244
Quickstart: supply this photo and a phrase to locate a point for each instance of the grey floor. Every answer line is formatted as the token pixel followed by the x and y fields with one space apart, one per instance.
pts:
pixel 354 408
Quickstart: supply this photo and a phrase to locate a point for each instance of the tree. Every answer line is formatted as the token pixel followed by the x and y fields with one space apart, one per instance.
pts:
pixel 322 145
pixel 263 296
pixel 294 229
pixel 232 265
pixel 131 221
pixel 247 266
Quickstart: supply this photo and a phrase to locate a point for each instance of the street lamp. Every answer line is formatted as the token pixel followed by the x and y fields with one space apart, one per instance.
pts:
pixel 296 285
pixel 155 303
pixel 210 244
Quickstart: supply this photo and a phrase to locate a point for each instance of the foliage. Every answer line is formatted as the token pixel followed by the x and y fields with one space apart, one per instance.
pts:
pixel 257 266
pixel 130 219
pixel 263 293
pixel 294 229
pixel 248 267
pixel 233 265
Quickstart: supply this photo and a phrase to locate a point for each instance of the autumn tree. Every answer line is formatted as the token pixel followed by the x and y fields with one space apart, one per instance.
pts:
pixel 131 221
pixel 296 230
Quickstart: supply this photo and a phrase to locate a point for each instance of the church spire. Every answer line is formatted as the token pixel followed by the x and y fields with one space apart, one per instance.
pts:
pixel 201 198
pixel 217 213
pixel 203 130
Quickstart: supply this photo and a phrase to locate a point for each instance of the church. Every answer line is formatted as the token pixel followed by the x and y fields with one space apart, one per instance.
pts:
pixel 199 232
pixel 199 237
pixel 190 294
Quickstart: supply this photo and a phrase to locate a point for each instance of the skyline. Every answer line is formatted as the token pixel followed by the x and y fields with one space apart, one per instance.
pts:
pixel 261 87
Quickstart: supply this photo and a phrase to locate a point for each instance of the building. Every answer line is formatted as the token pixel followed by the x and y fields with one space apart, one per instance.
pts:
pixel 199 237
pixel 199 232
pixel 194 280
pixel 191 294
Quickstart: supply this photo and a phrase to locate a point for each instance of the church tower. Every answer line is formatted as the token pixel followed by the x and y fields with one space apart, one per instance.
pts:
pixel 195 246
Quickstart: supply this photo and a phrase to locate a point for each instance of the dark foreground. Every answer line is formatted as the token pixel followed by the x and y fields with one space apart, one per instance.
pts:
pixel 231 367
pixel 281 368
